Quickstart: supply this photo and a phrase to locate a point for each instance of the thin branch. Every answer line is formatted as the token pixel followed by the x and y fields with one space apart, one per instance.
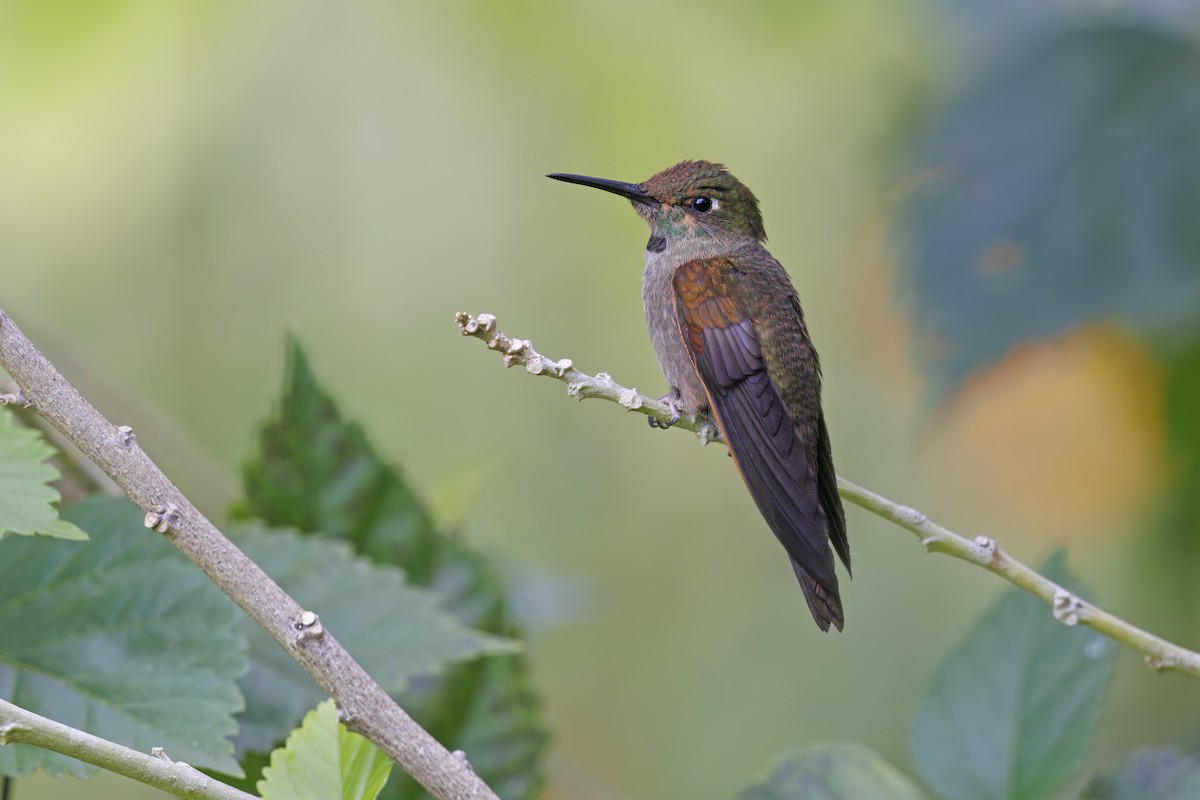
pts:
pixel 18 726
pixel 1068 608
pixel 364 707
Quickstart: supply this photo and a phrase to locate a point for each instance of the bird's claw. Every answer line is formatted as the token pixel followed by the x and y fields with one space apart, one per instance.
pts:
pixel 672 400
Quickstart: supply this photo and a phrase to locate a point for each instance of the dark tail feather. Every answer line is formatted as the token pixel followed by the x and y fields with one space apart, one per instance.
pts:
pixel 824 602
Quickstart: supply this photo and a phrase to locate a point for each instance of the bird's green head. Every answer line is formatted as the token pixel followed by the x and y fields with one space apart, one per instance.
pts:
pixel 691 199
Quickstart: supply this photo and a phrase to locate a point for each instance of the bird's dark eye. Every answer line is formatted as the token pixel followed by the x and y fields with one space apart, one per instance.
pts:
pixel 702 204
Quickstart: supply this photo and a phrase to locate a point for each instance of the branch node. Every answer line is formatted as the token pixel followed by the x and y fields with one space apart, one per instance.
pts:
pixel 16 398
pixel 983 549
pixel 162 518
pixel 7 730
pixel 929 542
pixel 1066 607
pixel 461 755
pixel 160 754
pixel 707 433
pixel 346 717
pixel 911 516
pixel 1161 663
pixel 126 435
pixel 630 399
pixel 471 325
pixel 309 626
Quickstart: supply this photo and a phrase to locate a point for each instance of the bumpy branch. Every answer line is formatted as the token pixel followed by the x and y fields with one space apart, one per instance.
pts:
pixel 1068 608
pixel 363 706
pixel 18 726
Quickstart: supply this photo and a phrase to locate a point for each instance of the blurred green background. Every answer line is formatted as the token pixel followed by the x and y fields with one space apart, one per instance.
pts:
pixel 183 184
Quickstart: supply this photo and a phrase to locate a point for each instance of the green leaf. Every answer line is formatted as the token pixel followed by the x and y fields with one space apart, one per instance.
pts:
pixel 394 630
pixel 1064 187
pixel 322 760
pixel 1160 773
pixel 317 472
pixel 1012 708
pixel 1173 555
pixel 834 772
pixel 365 768
pixel 119 637
pixel 26 498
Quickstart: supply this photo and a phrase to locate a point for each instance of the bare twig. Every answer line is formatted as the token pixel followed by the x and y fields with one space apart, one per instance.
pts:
pixel 18 726
pixel 364 707
pixel 1068 608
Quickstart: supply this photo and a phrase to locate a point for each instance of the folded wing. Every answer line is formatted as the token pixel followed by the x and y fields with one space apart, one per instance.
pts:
pixel 785 462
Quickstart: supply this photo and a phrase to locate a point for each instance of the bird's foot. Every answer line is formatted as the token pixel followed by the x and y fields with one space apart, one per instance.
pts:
pixel 672 399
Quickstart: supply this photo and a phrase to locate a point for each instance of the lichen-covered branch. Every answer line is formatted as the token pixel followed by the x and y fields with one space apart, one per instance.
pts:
pixel 363 706
pixel 18 726
pixel 1068 608
pixel 580 385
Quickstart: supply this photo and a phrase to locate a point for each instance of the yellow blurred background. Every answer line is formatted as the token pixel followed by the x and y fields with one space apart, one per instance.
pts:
pixel 183 184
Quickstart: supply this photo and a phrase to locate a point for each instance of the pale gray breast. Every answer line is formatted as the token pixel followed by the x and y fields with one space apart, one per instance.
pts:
pixel 658 301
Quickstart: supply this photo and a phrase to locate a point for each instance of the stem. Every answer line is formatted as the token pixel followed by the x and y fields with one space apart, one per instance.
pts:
pixel 1068 608
pixel 18 726
pixel 364 707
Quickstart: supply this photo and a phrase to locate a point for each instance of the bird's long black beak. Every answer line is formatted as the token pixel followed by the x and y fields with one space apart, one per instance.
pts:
pixel 631 191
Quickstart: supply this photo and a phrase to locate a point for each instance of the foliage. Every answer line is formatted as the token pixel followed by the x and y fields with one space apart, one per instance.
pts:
pixel 834 772
pixel 1063 185
pixel 120 637
pixel 26 499
pixel 1009 714
pixel 1012 708
pixel 395 631
pixel 1161 773
pixel 317 472
pixel 323 760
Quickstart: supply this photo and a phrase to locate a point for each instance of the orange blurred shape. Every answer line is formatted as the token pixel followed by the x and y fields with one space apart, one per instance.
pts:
pixel 1061 439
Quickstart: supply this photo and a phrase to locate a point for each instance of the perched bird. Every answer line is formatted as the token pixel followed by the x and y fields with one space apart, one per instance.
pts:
pixel 730 337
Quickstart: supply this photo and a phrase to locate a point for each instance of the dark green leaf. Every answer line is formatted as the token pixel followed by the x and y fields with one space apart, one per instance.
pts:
pixel 317 472
pixel 26 498
pixel 834 772
pixel 1065 187
pixel 1173 559
pixel 120 637
pixel 1161 773
pixel 1012 708
pixel 393 630
pixel 324 761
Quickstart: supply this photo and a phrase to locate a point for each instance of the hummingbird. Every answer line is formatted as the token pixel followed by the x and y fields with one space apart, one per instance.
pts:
pixel 730 337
